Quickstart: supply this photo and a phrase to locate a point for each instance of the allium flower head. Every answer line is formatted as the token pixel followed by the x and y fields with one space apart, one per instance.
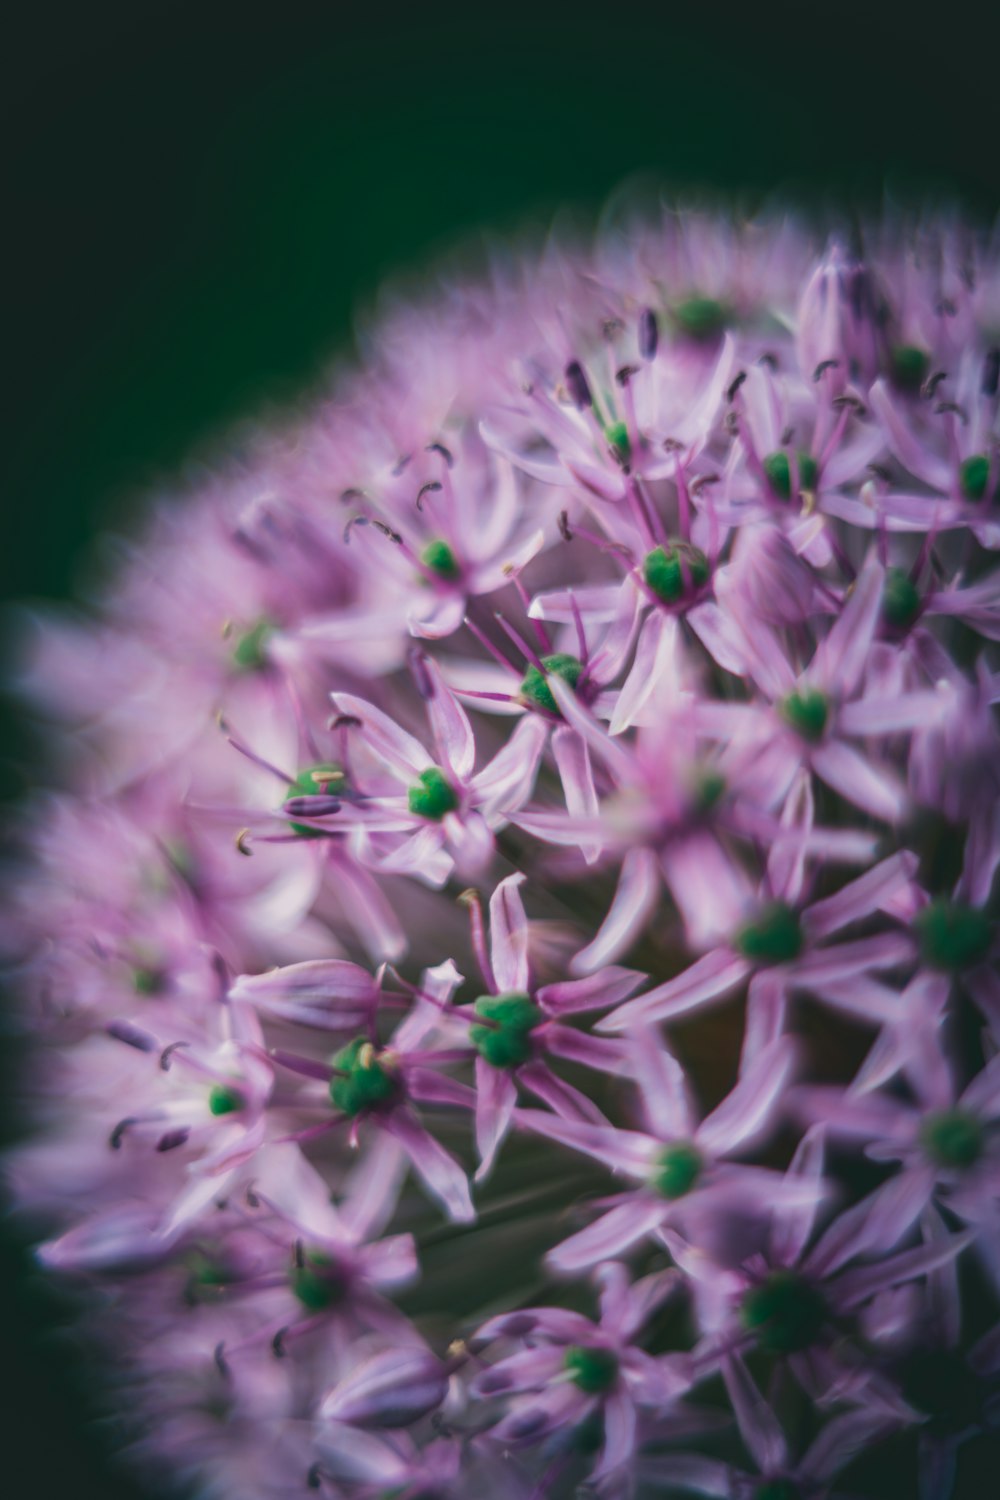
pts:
pixel 513 958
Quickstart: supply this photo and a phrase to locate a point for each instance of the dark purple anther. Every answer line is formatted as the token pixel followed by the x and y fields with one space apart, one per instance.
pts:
pixel 649 333
pixel 576 384
pixel 172 1139
pixel 991 373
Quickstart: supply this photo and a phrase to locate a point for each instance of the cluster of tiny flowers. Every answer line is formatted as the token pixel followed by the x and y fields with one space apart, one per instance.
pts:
pixel 513 969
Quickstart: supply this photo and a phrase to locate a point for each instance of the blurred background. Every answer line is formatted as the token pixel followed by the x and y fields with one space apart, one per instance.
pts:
pixel 199 197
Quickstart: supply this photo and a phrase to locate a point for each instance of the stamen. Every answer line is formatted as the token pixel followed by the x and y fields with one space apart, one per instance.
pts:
pixel 649 333
pixel 430 488
pixel 577 386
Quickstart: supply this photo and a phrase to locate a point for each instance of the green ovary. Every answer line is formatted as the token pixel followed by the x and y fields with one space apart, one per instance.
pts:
pixel 433 796
pixel 700 318
pixel 778 469
pixel 360 1081
pixel 225 1101
pixel 677 1169
pixel 973 476
pixel 317 1283
pixel 664 573
pixel 314 781
pixel 807 712
pixel 593 1370
pixel 785 1313
pixel 250 651
pixel 773 937
pixel 909 366
pixel 618 439
pixel 535 691
pixel 901 600
pixel 952 1138
pixel 505 1042
pixel 952 935
pixel 441 560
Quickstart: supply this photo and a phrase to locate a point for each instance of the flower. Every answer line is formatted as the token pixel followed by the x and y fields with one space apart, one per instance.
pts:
pixel 651 587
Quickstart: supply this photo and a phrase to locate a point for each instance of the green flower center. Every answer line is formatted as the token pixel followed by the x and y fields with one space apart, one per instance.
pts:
pixel 506 1041
pixel 664 570
pixel 677 1169
pixel 318 1283
pixel 207 1280
pixel 773 937
pixel 250 651
pixel 700 318
pixel 148 980
pixel 952 1138
pixel 785 1313
pixel 593 1370
pixel 441 560
pixel 710 788
pixel 535 691
pixel 901 600
pixel 433 796
pixel 315 781
pixel 779 472
pixel 807 712
pixel 952 935
pixel 360 1081
pixel 908 367
pixel 973 475
pixel 618 440
pixel 223 1100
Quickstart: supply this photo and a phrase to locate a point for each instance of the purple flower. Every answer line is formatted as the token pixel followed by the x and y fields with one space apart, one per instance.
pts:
pixel 654 582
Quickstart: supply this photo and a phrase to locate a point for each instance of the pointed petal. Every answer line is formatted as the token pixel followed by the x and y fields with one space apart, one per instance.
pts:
pixel 635 899
pixel 705 981
pixel 440 1172
pixel 496 1098
pixel 450 725
pixel 610 1236
pixel 509 936
pixel 743 1113
pixel 573 763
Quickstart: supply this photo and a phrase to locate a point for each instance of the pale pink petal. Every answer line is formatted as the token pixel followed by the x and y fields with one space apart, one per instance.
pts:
pixel 704 982
pixel 496 1097
pixel 854 1287
pixel 569 1102
pixel 759 1428
pixel 662 1084
pixel 635 899
pixel 620 1423
pixel 506 781
pixel 855 778
pixel 398 749
pixel 861 897
pixel 450 725
pixel 840 659
pixel 607 986
pixel 509 937
pixel 918 457
pixel 654 659
pixel 891 715
pixel 744 1111
pixel 573 763
pixel 619 1150
pixel 440 1172
pixel 611 1235
pixel 793 1226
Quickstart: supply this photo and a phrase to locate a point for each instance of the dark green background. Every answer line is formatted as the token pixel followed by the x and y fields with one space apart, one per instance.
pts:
pixel 199 197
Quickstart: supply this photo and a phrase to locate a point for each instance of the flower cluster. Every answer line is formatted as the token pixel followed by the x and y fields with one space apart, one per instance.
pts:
pixel 513 966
